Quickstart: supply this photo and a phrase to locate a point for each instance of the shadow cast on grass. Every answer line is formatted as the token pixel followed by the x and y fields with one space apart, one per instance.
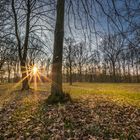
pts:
pixel 88 119
pixel 85 118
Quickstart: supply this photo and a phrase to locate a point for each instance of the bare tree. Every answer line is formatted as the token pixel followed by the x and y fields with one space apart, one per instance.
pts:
pixel 57 94
pixel 69 57
pixel 111 47
pixel 29 19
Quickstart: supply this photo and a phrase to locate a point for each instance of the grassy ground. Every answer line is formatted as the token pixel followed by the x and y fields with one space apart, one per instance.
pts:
pixel 121 93
pixel 99 111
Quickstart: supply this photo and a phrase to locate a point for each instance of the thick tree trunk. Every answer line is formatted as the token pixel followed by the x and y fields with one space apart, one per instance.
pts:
pixel 56 87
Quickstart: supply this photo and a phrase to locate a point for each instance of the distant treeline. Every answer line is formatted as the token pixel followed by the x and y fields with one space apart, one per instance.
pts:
pixel 115 60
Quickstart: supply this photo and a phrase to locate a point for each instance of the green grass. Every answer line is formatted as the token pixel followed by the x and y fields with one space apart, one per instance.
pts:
pixel 118 92
pixel 121 93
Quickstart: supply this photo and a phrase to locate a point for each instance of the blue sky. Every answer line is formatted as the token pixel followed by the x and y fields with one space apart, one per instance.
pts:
pixel 97 20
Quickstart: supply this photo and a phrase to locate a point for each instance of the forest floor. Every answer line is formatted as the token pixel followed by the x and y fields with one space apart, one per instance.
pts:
pixel 98 112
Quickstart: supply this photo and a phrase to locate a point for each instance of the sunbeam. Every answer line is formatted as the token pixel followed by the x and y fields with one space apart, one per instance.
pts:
pixel 35 70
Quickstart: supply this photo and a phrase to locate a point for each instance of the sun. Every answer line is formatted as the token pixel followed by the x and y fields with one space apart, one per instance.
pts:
pixel 35 69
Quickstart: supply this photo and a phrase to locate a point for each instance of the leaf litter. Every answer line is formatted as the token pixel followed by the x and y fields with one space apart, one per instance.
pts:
pixel 93 117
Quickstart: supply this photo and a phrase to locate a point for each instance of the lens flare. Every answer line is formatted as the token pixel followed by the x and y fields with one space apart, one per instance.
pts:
pixel 35 69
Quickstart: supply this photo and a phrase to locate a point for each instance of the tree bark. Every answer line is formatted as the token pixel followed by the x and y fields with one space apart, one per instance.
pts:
pixel 22 55
pixel 70 66
pixel 25 84
pixel 56 87
pixel 70 78
pixel 114 71
pixel 9 72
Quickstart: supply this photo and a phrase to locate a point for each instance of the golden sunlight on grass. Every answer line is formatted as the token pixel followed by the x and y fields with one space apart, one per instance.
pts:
pixel 114 106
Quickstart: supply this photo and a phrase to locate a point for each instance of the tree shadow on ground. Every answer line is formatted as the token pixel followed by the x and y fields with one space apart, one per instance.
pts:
pixel 91 117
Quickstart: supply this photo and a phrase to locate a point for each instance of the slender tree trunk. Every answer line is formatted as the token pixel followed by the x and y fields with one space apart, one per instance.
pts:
pixel 1 64
pixel 129 74
pixel 80 72
pixel 124 70
pixel 137 68
pixel 56 87
pixel 22 52
pixel 137 73
pixel 25 84
pixel 67 74
pixel 70 78
pixel 119 72
pixel 9 71
pixel 114 71
pixel 70 66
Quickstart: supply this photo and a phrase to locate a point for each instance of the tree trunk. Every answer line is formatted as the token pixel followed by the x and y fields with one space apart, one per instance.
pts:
pixel 56 87
pixel 70 66
pixel 9 72
pixel 1 64
pixel 70 78
pixel 114 71
pixel 80 72
pixel 25 84
pixel 137 68
pixel 129 74
pixel 67 74
pixel 22 51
